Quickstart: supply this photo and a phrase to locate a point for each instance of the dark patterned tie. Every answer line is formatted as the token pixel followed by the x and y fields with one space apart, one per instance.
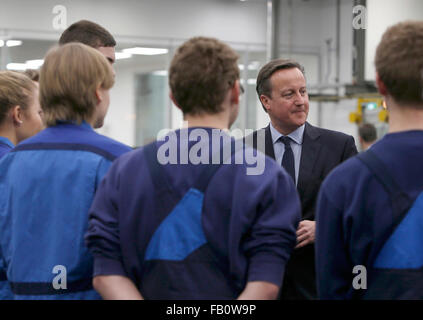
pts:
pixel 288 157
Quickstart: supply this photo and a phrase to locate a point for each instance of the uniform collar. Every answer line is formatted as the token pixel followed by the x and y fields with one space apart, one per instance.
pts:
pixel 84 124
pixel 6 141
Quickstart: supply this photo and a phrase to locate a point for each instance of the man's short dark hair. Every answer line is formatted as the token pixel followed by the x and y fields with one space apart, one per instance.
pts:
pixel 367 132
pixel 89 33
pixel 264 85
pixel 33 74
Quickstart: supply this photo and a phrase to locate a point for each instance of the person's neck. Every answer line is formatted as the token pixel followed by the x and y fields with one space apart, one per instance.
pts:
pixel 9 134
pixel 218 121
pixel 366 145
pixel 404 118
pixel 283 130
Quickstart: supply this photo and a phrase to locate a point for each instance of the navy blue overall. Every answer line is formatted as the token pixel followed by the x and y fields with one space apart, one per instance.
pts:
pixel 179 263
pixel 397 268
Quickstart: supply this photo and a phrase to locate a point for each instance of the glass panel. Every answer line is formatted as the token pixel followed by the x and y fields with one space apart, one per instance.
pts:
pixel 150 106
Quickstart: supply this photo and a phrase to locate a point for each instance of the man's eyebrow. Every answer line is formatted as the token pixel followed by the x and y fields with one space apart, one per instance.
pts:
pixel 110 60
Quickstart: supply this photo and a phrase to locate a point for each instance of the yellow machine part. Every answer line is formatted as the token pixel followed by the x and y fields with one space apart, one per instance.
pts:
pixel 357 117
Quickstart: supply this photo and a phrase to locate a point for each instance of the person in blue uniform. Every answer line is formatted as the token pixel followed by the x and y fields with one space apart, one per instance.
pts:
pixel 171 221
pixel 369 217
pixel 20 118
pixel 20 111
pixel 48 181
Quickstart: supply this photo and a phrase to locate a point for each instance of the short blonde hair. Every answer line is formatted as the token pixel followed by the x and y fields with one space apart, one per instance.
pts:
pixel 399 62
pixel 16 89
pixel 69 78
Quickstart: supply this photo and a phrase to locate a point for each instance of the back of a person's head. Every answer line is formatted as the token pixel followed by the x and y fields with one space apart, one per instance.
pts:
pixel 367 132
pixel 33 74
pixel 16 89
pixel 69 78
pixel 399 62
pixel 89 33
pixel 201 72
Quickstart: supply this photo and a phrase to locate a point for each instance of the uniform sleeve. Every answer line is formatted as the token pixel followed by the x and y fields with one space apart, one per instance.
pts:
pixel 102 237
pixel 272 236
pixel 333 267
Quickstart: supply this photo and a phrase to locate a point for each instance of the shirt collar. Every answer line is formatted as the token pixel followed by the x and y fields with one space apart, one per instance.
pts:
pixel 84 124
pixel 296 135
pixel 6 141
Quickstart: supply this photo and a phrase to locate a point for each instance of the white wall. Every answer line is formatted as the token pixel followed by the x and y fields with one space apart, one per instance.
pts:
pixel 381 15
pixel 228 20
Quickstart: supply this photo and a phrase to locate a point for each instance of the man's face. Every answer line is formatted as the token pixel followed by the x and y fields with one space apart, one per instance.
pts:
pixel 288 104
pixel 109 53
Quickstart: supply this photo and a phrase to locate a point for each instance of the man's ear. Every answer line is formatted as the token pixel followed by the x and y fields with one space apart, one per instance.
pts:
pixel 381 86
pixel 265 101
pixel 173 100
pixel 17 115
pixel 98 94
pixel 235 92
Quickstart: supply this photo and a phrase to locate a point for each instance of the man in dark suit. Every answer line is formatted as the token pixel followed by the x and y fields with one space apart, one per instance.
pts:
pixel 306 152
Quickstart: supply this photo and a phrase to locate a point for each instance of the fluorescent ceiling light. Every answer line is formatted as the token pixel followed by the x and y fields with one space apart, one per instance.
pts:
pixel 1 43
pixel 252 81
pixel 16 66
pixel 13 43
pixel 145 51
pixel 122 55
pixel 34 64
pixel 160 73
pixel 254 65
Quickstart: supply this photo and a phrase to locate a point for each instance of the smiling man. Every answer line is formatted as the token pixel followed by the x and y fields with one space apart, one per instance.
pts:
pixel 306 152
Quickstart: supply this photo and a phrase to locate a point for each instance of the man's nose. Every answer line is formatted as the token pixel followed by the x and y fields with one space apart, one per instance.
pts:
pixel 299 99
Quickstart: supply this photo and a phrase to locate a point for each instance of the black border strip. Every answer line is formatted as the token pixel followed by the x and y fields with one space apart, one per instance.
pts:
pixel 46 288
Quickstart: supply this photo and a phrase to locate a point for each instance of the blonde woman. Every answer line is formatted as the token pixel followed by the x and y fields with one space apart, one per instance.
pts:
pixel 20 111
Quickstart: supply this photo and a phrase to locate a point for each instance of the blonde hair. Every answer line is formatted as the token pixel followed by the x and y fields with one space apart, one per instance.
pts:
pixel 16 89
pixel 399 62
pixel 69 78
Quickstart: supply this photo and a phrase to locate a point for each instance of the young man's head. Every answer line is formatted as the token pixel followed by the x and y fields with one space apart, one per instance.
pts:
pixel 93 35
pixel 367 135
pixel 74 85
pixel 399 64
pixel 20 111
pixel 281 88
pixel 204 78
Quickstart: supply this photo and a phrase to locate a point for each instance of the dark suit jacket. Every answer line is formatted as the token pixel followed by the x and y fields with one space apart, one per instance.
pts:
pixel 322 150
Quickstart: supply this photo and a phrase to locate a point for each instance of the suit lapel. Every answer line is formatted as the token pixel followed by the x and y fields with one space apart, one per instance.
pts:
pixel 309 153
